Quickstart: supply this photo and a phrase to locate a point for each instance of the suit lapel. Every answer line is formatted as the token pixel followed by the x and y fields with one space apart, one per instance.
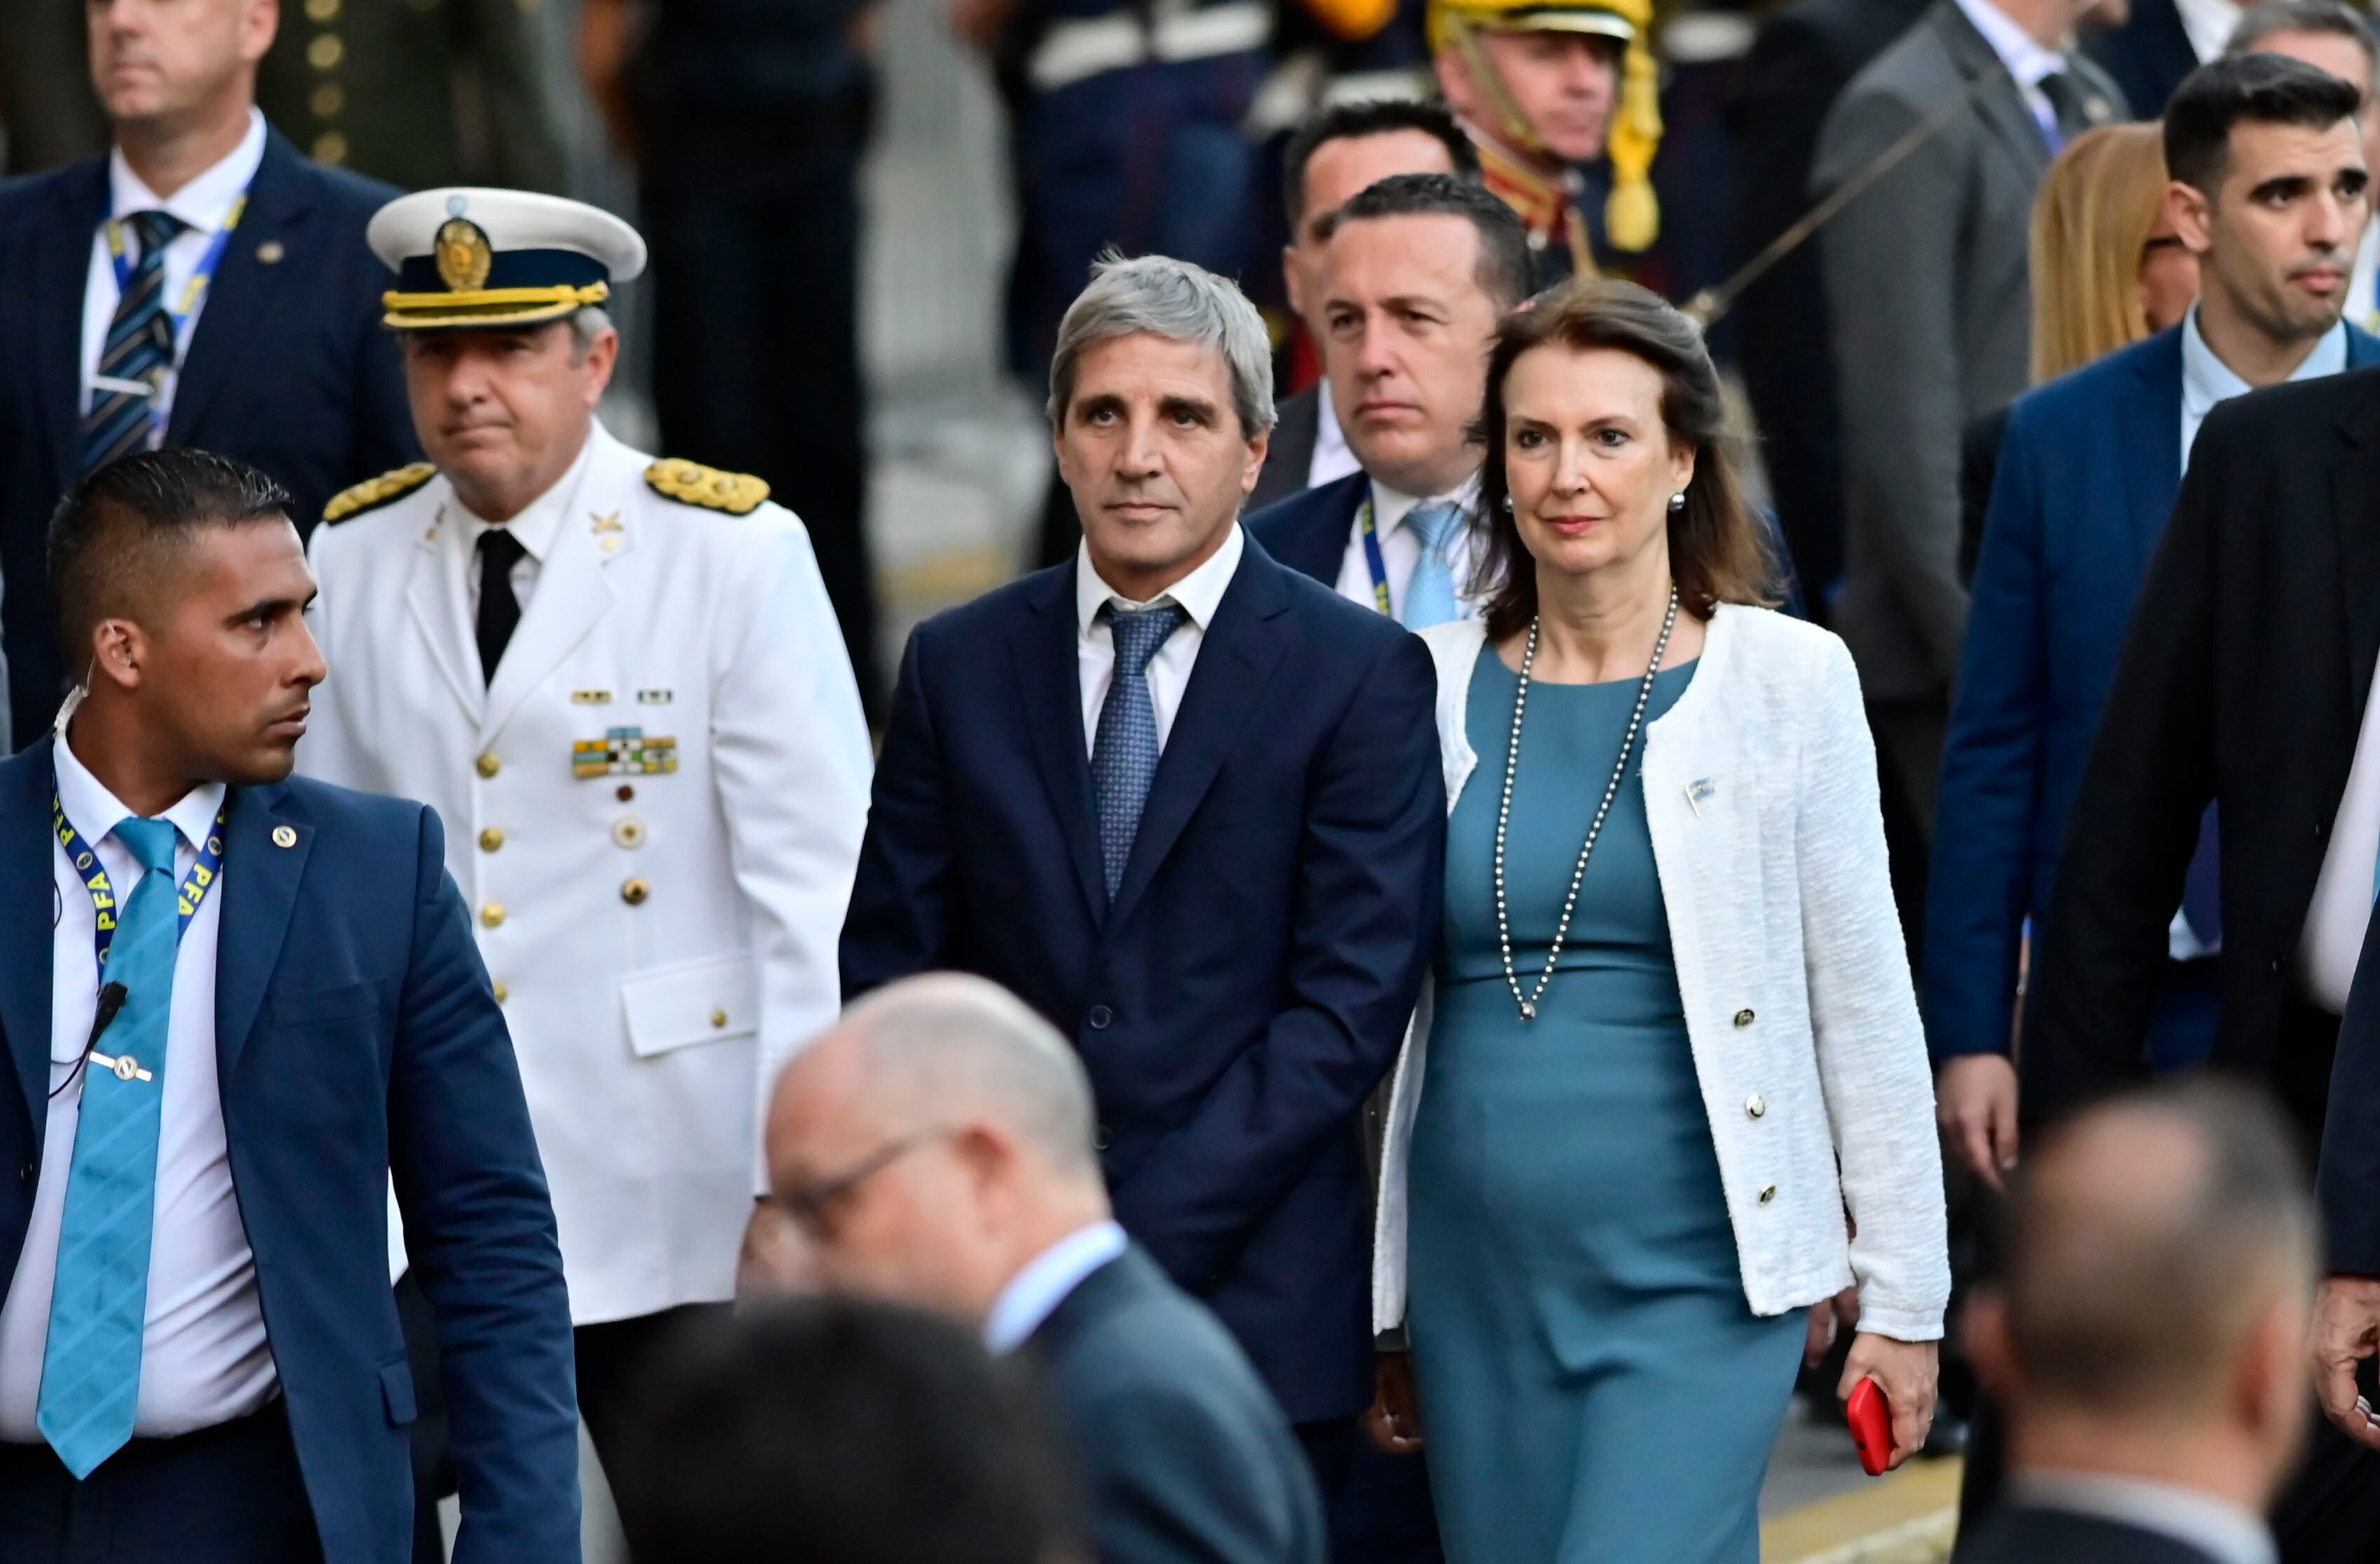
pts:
pixel 245 290
pixel 260 891
pixel 2355 506
pixel 2003 107
pixel 61 268
pixel 28 886
pixel 438 616
pixel 2152 444
pixel 1235 663
pixel 573 592
pixel 1049 686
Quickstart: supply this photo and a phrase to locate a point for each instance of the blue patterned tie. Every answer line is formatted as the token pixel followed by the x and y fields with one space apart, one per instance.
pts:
pixel 1429 596
pixel 138 346
pixel 1125 751
pixel 91 1370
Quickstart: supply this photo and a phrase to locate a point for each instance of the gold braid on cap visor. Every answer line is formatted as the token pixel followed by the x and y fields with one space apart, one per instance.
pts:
pixel 488 307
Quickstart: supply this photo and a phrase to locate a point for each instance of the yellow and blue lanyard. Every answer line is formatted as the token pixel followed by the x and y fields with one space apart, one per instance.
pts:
pixel 1372 560
pixel 177 311
pixel 192 894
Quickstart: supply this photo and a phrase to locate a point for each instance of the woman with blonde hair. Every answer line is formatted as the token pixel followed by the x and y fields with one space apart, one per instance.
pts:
pixel 2108 267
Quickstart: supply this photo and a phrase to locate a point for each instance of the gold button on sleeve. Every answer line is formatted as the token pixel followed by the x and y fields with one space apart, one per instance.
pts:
pixel 489 765
pixel 491 915
pixel 490 838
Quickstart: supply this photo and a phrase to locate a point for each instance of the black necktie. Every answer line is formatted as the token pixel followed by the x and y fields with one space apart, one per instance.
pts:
pixel 499 609
pixel 2070 103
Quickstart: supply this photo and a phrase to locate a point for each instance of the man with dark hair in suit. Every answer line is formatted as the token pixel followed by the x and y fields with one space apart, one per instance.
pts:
pixel 1187 804
pixel 939 1147
pixel 237 1005
pixel 840 1428
pixel 1342 150
pixel 2147 1334
pixel 1417 270
pixel 139 292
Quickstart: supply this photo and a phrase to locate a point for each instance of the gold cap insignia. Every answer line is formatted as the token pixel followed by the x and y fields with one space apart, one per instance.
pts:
pixel 465 256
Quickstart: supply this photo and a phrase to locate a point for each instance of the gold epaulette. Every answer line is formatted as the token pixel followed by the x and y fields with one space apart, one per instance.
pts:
pixel 691 484
pixel 374 493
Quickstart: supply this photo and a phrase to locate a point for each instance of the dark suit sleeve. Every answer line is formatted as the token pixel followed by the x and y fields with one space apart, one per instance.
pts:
pixel 479 1228
pixel 1978 890
pixel 904 899
pixel 2135 819
pixel 1169 1482
pixel 1370 877
pixel 2350 1134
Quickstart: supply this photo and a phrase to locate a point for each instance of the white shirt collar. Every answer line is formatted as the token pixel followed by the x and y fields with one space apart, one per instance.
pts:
pixel 1034 1294
pixel 2018 50
pixel 540 527
pixel 94 811
pixel 2206 379
pixel 205 202
pixel 1197 594
pixel 1329 440
pixel 2212 1525
pixel 2208 24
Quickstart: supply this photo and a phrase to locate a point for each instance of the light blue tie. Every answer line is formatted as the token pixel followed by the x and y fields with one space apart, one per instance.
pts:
pixel 1124 749
pixel 1429 596
pixel 91 1370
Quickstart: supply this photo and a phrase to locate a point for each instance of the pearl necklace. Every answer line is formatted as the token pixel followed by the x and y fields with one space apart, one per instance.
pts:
pixel 1528 1002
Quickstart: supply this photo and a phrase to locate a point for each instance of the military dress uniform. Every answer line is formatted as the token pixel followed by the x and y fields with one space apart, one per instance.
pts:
pixel 653 805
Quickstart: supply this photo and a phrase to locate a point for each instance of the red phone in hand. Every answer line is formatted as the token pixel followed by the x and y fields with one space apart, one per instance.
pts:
pixel 1871 1419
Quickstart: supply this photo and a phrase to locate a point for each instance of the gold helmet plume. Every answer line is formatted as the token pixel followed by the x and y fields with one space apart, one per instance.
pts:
pixel 1631 218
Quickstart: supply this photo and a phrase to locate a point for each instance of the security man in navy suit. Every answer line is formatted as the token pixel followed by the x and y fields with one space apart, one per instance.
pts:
pixel 139 292
pixel 206 1095
pixel 1187 804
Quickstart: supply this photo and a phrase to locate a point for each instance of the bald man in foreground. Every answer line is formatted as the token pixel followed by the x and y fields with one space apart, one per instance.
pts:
pixel 2148 1334
pixel 936 1149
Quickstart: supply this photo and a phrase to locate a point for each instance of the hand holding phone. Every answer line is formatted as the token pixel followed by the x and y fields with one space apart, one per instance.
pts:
pixel 1870 1416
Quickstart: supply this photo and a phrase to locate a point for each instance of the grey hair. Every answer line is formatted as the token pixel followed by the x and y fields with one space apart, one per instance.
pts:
pixel 587 324
pixel 1178 302
pixel 946 1043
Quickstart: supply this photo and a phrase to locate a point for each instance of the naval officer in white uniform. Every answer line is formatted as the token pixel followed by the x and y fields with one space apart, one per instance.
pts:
pixel 620 683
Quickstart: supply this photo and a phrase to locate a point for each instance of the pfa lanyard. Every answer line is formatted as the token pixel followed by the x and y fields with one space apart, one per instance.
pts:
pixel 1378 566
pixel 194 888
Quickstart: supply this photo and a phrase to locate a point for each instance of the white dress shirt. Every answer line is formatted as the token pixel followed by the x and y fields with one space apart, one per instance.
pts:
pixel 1197 594
pixel 1333 459
pixel 202 204
pixel 537 528
pixel 2027 59
pixel 1400 550
pixel 1034 1294
pixel 203 1356
pixel 2222 1531
pixel 2332 941
pixel 2208 24
pixel 2206 379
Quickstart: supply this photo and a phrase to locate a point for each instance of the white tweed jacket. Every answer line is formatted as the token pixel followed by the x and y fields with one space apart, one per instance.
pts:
pixel 1760 790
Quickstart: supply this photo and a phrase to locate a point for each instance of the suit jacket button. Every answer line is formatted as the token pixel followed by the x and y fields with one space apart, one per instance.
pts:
pixel 1099 1017
pixel 1755 1105
pixel 489 765
pixel 502 993
pixel 490 838
pixel 1742 1019
pixel 634 892
pixel 491 915
pixel 1767 1194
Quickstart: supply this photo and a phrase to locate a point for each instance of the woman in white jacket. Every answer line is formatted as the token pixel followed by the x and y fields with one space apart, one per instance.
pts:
pixel 1671 1038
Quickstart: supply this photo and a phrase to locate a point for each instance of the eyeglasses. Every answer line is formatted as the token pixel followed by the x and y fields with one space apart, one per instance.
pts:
pixel 2163 241
pixel 807 1209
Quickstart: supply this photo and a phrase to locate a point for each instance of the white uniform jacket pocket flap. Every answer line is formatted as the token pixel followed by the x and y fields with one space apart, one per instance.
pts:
pixel 705 1000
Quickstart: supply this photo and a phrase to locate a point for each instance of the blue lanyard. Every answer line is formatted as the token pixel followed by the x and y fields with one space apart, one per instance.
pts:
pixel 1380 567
pixel 194 888
pixel 178 310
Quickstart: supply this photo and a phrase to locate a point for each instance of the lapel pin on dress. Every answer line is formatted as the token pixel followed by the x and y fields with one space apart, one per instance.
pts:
pixel 1698 790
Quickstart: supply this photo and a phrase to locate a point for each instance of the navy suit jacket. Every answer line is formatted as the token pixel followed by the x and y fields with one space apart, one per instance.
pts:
pixel 288 368
pixel 1184 1458
pixel 1253 980
pixel 2087 475
pixel 2147 57
pixel 356 1037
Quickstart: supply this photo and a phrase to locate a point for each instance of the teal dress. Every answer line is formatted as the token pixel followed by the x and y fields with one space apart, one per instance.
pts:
pixel 1594 1387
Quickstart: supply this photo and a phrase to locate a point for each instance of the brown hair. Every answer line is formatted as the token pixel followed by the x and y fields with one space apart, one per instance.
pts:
pixel 2091 227
pixel 1716 553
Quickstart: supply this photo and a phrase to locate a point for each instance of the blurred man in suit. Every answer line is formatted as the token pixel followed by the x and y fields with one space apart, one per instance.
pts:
pixel 842 1428
pixel 2332 37
pixel 212 1092
pixel 1187 804
pixel 1417 270
pixel 2148 1335
pixel 2087 476
pixel 1341 150
pixel 1928 300
pixel 939 1147
pixel 139 292
pixel 2148 46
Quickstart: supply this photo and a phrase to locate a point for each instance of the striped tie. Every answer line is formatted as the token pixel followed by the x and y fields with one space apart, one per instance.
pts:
pixel 140 347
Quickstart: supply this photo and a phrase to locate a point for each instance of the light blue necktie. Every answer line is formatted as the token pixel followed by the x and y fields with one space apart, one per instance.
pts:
pixel 1429 596
pixel 1124 749
pixel 91 1370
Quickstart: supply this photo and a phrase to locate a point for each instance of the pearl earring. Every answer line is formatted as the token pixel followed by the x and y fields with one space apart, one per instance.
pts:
pixel 1508 504
pixel 1677 501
